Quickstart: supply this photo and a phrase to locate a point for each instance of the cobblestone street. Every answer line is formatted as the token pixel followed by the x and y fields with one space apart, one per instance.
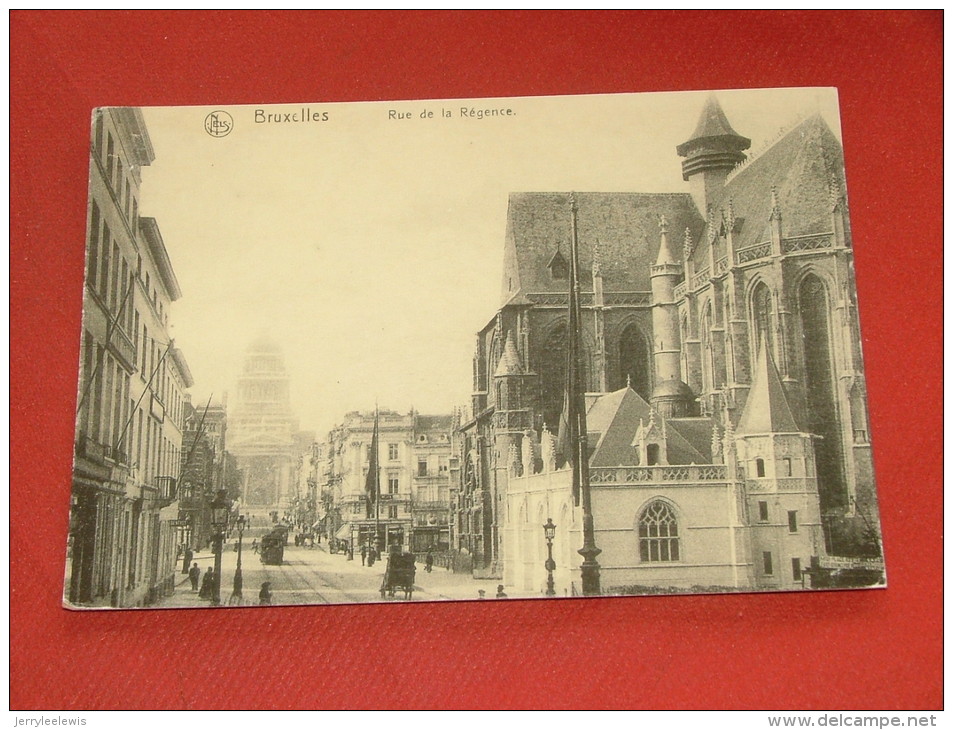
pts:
pixel 313 575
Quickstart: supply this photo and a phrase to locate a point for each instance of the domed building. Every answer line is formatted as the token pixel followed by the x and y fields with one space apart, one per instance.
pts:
pixel 262 428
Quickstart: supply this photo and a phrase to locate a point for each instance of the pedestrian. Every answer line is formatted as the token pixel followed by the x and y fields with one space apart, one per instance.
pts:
pixel 208 584
pixel 186 560
pixel 428 562
pixel 364 554
pixel 264 595
pixel 254 546
pixel 500 593
pixel 194 574
pixel 482 594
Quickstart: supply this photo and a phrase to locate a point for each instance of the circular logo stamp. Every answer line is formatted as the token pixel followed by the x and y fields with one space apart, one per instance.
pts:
pixel 219 123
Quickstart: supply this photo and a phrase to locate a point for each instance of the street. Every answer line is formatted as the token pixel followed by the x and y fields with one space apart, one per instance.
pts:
pixel 313 576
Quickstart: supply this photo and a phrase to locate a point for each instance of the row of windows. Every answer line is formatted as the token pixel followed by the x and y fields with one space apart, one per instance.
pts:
pixel 659 536
pixel 423 468
pixel 763 516
pixel 110 275
pixel 787 468
pixel 110 416
pixel 767 564
pixel 390 513
pixel 717 363
pixel 116 175
pixel 393 454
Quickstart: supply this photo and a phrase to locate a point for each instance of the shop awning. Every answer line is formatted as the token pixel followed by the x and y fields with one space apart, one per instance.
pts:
pixel 345 532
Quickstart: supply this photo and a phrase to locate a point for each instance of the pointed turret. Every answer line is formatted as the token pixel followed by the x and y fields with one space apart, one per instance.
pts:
pixel 510 359
pixel 511 382
pixel 665 253
pixel 710 153
pixel 667 340
pixel 767 409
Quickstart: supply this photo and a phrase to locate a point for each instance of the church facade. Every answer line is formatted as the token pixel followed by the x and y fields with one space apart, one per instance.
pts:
pixel 682 293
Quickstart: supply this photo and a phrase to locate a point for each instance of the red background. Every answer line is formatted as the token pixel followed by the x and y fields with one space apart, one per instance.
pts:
pixel 859 650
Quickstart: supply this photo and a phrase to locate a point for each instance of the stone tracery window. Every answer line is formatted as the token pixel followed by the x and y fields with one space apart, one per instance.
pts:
pixel 658 534
pixel 764 318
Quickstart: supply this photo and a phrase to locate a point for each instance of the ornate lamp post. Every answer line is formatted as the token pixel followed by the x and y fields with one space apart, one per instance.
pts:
pixel 237 584
pixel 220 509
pixel 549 530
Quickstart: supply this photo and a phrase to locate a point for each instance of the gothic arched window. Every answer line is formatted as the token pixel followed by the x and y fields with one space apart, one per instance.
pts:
pixel 658 534
pixel 552 371
pixel 820 381
pixel 763 319
pixel 708 355
pixel 634 361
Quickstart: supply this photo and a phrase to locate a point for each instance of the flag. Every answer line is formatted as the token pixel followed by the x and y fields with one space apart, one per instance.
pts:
pixel 372 486
pixel 564 434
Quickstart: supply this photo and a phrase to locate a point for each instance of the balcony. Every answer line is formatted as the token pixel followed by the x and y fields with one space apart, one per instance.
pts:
pixel 115 455
pixel 122 347
pixel 395 498
pixel 753 253
pixel 165 486
pixel 91 459
pixel 90 449
pixel 630 475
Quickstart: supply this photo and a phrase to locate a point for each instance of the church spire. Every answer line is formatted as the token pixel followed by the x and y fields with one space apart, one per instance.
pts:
pixel 767 409
pixel 665 254
pixel 710 153
pixel 510 359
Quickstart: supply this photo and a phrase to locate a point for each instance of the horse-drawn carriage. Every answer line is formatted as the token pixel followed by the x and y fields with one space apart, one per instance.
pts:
pixel 399 575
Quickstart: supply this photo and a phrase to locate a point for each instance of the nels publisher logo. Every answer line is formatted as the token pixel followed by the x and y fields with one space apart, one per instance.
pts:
pixel 219 123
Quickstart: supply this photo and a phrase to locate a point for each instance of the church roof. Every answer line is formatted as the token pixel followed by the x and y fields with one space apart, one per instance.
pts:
pixel 766 409
pixel 623 226
pixel 614 419
pixel 800 165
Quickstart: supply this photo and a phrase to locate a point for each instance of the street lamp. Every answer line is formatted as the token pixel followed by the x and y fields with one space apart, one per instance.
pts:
pixel 237 584
pixel 549 530
pixel 220 509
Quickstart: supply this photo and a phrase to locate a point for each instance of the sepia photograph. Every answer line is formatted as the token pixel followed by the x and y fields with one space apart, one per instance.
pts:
pixel 535 347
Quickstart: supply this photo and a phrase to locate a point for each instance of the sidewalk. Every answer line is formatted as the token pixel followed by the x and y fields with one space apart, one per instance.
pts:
pixel 183 588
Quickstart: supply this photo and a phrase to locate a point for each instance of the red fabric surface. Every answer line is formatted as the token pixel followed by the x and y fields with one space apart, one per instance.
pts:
pixel 859 650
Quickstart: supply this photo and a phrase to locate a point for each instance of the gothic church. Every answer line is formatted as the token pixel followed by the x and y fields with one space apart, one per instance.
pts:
pixel 689 300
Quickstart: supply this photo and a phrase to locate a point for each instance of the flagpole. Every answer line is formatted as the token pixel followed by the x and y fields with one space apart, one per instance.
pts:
pixel 377 478
pixel 577 402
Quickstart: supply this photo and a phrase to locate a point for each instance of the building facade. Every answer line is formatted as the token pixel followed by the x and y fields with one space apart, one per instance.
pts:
pixel 132 386
pixel 415 456
pixel 677 501
pixel 206 468
pixel 679 291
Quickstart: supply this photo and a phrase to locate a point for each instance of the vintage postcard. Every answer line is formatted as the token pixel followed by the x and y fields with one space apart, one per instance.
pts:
pixel 470 349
